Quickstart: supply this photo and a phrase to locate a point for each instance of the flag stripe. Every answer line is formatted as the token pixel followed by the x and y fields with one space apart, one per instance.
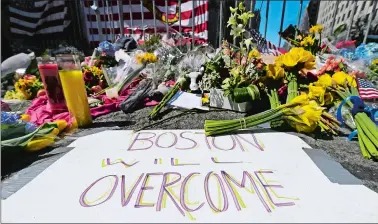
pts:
pixel 87 3
pixel 51 20
pixel 197 29
pixel 36 12
pixel 366 89
pixel 150 23
pixel 148 15
pixel 25 17
pixel 135 8
pixel 147 20
pixel 38 17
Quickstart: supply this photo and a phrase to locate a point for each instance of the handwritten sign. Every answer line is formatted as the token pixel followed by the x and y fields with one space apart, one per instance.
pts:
pixel 184 176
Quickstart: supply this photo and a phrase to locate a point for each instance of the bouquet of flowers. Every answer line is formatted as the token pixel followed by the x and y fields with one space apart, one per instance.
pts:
pixel 26 88
pixel 310 40
pixel 94 79
pixel 19 134
pixel 244 63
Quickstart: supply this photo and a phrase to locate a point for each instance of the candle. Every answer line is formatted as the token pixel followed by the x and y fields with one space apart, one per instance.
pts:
pixel 74 90
pixel 48 69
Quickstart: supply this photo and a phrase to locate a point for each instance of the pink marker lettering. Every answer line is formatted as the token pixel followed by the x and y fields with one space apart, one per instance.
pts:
pixel 182 136
pixel 272 186
pixel 207 193
pixel 123 183
pixel 144 188
pixel 142 139
pixel 182 195
pixel 82 197
pixel 241 184
pixel 163 190
pixel 164 147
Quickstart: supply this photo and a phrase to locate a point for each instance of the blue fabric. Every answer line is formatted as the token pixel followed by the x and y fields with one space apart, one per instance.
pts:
pixel 358 106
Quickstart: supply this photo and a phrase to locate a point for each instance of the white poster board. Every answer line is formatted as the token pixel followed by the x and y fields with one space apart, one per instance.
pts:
pixel 182 176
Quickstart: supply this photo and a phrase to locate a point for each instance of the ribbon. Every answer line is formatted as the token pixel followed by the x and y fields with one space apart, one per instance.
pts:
pixel 358 106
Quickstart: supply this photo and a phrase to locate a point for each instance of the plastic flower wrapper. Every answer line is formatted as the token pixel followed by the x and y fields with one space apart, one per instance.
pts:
pixel 191 62
pixel 107 48
pixel 367 52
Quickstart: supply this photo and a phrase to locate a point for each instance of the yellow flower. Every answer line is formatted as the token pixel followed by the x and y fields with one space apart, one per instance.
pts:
pixel 62 124
pixel 306 117
pixel 296 55
pixel 324 81
pixel 290 60
pixel 316 29
pixel 342 78
pixel 235 71
pixel 25 117
pixel 39 143
pixel 139 58
pixel 301 127
pixel 279 60
pixel 205 100
pixel 316 92
pixel 275 72
pixel 307 41
pixel 351 81
pixel 375 62
pixel 253 54
pixel 301 99
pixel 146 58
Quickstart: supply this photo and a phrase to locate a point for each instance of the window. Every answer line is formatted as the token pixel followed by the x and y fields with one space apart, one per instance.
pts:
pixel 346 6
pixel 367 17
pixel 338 20
pixel 349 13
pixel 342 7
pixel 343 17
pixel 371 3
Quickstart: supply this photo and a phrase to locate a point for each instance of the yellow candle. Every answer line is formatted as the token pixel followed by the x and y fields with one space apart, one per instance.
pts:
pixel 76 96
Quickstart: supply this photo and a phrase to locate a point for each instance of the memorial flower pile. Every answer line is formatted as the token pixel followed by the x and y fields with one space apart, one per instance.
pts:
pixel 309 40
pixel 94 79
pixel 26 88
pixel 19 134
pixel 345 86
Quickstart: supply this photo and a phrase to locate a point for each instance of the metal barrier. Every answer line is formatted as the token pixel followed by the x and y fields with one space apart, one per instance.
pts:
pixel 222 6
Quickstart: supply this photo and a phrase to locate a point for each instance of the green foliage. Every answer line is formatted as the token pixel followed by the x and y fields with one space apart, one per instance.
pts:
pixel 151 44
pixel 211 78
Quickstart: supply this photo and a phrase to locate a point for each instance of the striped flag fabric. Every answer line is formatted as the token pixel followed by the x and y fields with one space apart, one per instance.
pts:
pixel 367 89
pixel 138 16
pixel 263 45
pixel 30 18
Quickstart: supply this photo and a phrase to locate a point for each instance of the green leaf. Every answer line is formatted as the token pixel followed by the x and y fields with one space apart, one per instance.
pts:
pixel 24 140
pixel 233 10
pixel 245 17
pixel 232 22
pixel 241 6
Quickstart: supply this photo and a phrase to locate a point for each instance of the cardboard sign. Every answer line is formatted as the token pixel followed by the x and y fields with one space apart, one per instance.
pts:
pixel 184 176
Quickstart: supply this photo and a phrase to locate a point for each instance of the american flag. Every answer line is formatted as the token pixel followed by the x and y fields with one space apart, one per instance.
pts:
pixel 264 45
pixel 138 15
pixel 367 89
pixel 29 17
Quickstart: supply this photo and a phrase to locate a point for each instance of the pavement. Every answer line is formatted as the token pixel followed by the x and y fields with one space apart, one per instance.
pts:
pixel 20 170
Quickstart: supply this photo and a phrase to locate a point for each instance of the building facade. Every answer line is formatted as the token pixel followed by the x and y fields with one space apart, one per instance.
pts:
pixel 331 18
